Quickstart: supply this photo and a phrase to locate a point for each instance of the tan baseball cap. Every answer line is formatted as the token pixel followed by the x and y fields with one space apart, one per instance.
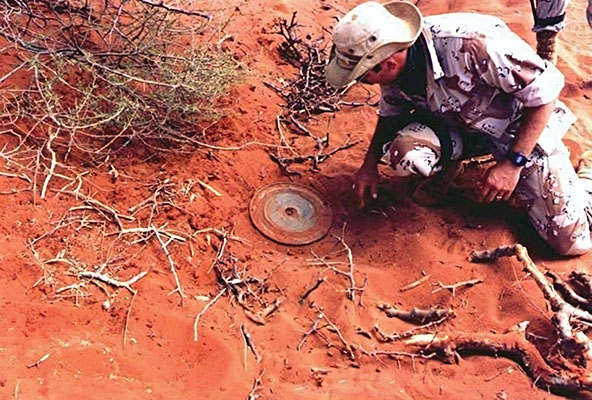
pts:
pixel 367 35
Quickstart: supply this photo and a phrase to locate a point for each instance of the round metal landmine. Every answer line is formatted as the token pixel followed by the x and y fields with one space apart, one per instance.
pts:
pixel 290 214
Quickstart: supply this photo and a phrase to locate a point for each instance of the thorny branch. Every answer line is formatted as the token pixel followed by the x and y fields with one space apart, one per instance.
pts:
pixel 256 387
pixel 164 246
pixel 102 75
pixel 349 273
pixel 313 329
pixel 248 291
pixel 176 10
pixel 345 347
pixel 305 96
pixel 309 93
pixel 96 217
pixel 316 159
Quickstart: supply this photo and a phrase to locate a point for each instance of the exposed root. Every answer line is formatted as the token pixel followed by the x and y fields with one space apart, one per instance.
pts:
pixel 512 346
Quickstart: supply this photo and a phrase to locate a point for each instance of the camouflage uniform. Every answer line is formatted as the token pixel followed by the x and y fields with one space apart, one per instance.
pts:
pixel 480 76
pixel 550 15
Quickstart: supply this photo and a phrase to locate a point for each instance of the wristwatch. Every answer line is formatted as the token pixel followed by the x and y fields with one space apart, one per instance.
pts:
pixel 517 158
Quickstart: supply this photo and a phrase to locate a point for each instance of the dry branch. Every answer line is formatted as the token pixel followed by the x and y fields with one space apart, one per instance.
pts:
pixel 416 316
pixel 313 329
pixel 483 256
pixel 346 347
pixel 453 287
pixel 384 337
pixel 349 273
pixel 239 286
pixel 113 282
pixel 164 246
pixel 202 312
pixel 256 387
pixel 309 93
pixel 38 362
pixel 250 344
pixel 583 280
pixel 176 9
pixel 568 293
pixel 414 284
pixel 316 159
pixel 127 318
pixel 260 317
pixel 306 95
pixel 311 289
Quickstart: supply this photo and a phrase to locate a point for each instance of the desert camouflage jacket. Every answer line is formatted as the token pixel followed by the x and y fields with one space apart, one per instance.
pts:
pixel 480 76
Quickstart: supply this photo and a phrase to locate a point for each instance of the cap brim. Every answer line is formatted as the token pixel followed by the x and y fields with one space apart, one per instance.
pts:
pixel 337 76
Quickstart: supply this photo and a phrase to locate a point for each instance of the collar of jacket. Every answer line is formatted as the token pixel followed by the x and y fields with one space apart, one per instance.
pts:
pixel 434 64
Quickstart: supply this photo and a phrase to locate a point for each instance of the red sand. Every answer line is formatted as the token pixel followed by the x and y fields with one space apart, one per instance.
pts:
pixel 392 246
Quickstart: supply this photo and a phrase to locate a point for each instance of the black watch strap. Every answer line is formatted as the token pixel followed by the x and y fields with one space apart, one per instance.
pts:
pixel 517 158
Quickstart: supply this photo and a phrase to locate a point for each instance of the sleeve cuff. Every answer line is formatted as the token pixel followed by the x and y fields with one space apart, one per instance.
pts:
pixel 544 89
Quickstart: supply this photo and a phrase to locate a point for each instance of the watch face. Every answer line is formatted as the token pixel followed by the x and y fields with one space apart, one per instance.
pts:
pixel 517 158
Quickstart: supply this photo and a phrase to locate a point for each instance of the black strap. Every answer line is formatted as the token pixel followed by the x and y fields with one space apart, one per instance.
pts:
pixel 440 128
pixel 533 9
pixel 550 21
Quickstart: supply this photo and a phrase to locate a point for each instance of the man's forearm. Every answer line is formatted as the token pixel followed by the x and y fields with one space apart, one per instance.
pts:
pixel 534 121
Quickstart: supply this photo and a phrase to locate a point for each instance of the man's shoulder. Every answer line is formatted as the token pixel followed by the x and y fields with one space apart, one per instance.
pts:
pixel 464 25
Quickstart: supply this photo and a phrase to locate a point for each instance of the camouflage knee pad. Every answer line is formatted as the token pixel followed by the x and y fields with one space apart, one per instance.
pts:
pixel 416 150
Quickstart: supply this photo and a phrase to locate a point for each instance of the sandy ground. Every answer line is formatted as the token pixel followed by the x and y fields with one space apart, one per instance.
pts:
pixel 394 243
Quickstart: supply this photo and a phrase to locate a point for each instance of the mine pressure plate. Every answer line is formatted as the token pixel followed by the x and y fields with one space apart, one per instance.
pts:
pixel 290 214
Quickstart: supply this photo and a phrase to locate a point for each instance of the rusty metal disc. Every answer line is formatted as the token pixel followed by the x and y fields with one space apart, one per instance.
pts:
pixel 290 214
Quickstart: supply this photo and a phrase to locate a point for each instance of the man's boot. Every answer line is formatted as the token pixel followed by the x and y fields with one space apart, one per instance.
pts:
pixel 460 175
pixel 546 45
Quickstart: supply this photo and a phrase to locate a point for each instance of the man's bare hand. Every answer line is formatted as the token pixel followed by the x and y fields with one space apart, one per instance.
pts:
pixel 500 182
pixel 366 183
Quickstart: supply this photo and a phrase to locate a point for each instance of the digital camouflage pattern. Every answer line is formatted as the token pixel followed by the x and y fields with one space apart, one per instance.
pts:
pixel 480 77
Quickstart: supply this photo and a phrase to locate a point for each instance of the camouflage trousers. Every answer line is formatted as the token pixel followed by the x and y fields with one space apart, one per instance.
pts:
pixel 557 201
pixel 550 15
